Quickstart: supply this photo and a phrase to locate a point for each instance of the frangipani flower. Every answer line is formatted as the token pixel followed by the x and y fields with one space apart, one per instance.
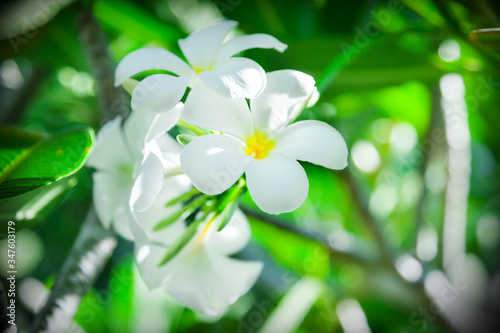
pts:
pixel 201 276
pixel 138 172
pixel 209 59
pixel 260 142
pixel 130 174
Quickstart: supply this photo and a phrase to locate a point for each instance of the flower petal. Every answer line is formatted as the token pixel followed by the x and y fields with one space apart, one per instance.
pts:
pixel 135 129
pixel 201 47
pixel 241 43
pixel 313 141
pixel 236 77
pixel 149 218
pixel 163 122
pixel 286 93
pixel 168 150
pixel 277 184
pixel 110 191
pixel 120 219
pixel 158 93
pixel 214 162
pixel 210 283
pixel 148 253
pixel 198 277
pixel 233 238
pixel 148 183
pixel 146 59
pixel 110 151
pixel 207 109
pixel 148 256
pixel 142 127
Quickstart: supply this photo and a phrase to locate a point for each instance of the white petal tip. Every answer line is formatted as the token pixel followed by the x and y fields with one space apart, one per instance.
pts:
pixel 281 48
pixel 340 166
pixel 277 184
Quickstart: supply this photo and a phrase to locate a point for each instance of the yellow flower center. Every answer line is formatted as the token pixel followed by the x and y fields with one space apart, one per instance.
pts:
pixel 259 146
pixel 198 245
pixel 198 70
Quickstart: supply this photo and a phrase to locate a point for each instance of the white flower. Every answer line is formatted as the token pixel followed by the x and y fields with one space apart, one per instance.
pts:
pixel 210 61
pixel 201 276
pixel 260 143
pixel 130 174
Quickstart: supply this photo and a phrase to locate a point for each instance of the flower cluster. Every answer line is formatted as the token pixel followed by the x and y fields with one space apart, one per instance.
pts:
pixel 177 199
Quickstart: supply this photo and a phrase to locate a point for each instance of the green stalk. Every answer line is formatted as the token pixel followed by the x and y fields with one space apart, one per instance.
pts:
pixel 195 129
pixel 184 211
pixel 183 240
pixel 183 197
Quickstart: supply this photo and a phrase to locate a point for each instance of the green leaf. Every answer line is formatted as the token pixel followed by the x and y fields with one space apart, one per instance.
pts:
pixel 410 102
pixel 229 204
pixel 182 212
pixel 336 66
pixel 28 161
pixel 184 139
pixel 135 22
pixel 179 244
pixel 304 256
pixel 227 214
pixel 183 197
pixel 37 204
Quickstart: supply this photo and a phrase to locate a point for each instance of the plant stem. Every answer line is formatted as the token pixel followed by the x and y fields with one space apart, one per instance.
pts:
pixel 111 99
pixel 334 253
pixel 436 124
pixel 371 223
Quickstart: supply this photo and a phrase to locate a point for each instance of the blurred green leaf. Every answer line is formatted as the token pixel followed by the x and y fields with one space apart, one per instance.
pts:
pixel 410 102
pixel 179 244
pixel 121 292
pixel 301 255
pixel 28 161
pixel 133 21
pixel 184 139
pixel 35 204
pixel 92 315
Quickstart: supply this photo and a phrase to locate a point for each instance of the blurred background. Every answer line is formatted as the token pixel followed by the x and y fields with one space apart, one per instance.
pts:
pixel 406 239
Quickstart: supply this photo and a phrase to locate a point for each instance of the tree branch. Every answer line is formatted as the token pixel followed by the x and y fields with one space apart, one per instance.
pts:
pixel 334 253
pixel 94 244
pixel 112 101
pixel 92 249
pixel 361 204
pixel 436 124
